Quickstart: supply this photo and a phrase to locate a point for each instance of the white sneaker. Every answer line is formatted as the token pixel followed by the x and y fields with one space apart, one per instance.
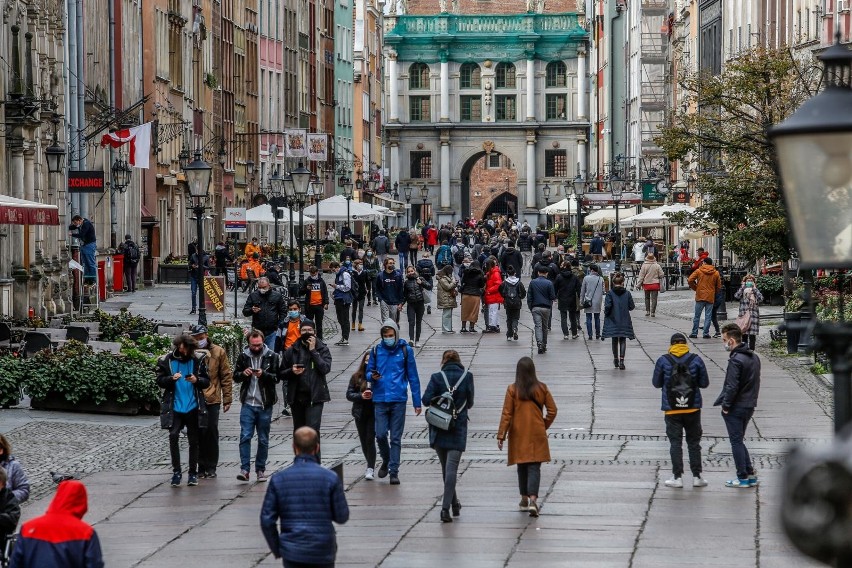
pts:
pixel 699 482
pixel 674 482
pixel 369 474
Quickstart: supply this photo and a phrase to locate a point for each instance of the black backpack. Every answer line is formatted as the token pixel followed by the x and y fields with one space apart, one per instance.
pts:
pixel 511 295
pixel 682 386
pixel 132 252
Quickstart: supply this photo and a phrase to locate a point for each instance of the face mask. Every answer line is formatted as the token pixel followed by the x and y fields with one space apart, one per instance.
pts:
pixel 263 290
pixel 389 341
pixel 347 264
pixel 467 265
pixel 306 336
pixel 294 314
pixel 749 284
pixel 202 343
pixel 728 347
pixel 369 254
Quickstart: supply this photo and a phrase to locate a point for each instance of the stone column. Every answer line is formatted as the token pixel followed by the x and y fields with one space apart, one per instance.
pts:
pixel 531 197
pixel 16 181
pixel 582 82
pixel 393 80
pixel 582 157
pixel 530 88
pixel 445 88
pixel 445 173
pixel 394 163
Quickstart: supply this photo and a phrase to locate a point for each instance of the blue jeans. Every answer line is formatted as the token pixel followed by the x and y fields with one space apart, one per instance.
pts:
pixel 707 308
pixel 390 417
pixel 193 287
pixel 87 259
pixel 736 421
pixel 403 261
pixel 269 339
pixel 254 418
pixel 589 324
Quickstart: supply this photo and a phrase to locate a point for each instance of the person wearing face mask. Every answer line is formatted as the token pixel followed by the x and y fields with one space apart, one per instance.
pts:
pixel 256 372
pixel 343 297
pixel 750 299
pixel 315 291
pixel 426 271
pixel 218 395
pixel 304 368
pixel 414 294
pixel 267 309
pixel 362 278
pixel 371 267
pixel 738 400
pixel 389 291
pixel 287 338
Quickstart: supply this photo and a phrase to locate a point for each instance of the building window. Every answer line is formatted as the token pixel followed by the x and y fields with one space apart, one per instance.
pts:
pixel 471 107
pixel 418 76
pixel 421 165
pixel 555 163
pixel 470 76
pixel 556 74
pixel 492 161
pixel 505 76
pixel 555 107
pixel 505 107
pixel 419 109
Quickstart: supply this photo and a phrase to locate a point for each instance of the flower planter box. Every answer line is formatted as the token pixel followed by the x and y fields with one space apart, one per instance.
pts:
pixel 174 274
pixel 59 403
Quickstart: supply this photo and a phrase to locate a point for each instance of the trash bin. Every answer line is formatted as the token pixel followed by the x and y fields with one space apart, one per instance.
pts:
pixel 117 273
pixel 102 280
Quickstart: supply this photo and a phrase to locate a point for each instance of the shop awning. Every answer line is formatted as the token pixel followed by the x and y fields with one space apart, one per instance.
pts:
pixel 14 211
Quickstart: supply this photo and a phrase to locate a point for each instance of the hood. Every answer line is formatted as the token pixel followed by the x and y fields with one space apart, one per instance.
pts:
pixel 70 499
pixel 679 350
pixel 221 247
pixel 619 290
pixel 389 323
pixel 707 269
pixel 567 272
pixel 247 352
pixel 512 280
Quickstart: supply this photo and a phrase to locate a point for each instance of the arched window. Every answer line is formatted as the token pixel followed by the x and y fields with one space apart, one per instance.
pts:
pixel 469 76
pixel 505 76
pixel 556 74
pixel 418 76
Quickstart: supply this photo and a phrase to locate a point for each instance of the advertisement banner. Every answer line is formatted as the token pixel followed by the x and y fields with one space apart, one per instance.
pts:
pixel 214 294
pixel 317 147
pixel 235 220
pixel 296 144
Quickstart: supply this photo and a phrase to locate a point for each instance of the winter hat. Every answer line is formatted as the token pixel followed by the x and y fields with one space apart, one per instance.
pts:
pixel 678 338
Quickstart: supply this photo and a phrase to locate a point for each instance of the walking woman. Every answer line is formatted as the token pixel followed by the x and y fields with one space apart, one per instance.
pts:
pixel 650 280
pixel 360 394
pixel 360 276
pixel 618 324
pixel 447 294
pixel 450 444
pixel 526 427
pixel 492 296
pixel 371 267
pixel 414 295
pixel 750 299
pixel 472 284
pixel 591 299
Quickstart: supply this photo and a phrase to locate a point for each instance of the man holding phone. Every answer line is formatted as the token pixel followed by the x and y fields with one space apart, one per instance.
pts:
pixel 304 366
pixel 267 309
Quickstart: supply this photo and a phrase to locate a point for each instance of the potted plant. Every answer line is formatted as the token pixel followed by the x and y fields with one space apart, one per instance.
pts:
pixel 792 317
pixel 772 288
pixel 12 375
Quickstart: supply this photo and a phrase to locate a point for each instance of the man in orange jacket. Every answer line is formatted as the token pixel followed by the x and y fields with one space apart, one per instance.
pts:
pixel 706 282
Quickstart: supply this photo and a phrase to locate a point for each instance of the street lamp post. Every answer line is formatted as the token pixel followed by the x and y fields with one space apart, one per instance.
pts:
pixel 546 192
pixel 198 174
pixel 813 148
pixel 301 177
pixel 407 192
pixel 290 192
pixel 318 191
pixel 424 195
pixel 276 185
pixel 579 191
pixel 347 193
pixel 616 187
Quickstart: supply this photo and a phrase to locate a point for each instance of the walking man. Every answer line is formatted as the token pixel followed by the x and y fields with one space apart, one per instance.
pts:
pixel 403 246
pixel 389 290
pixel 130 250
pixel 267 309
pixel 316 298
pixel 342 298
pixel 84 230
pixel 381 244
pixel 393 371
pixel 681 374
pixel 257 373
pixel 304 367
pixel 738 400
pixel 706 282
pixel 304 499
pixel 540 297
pixel 218 395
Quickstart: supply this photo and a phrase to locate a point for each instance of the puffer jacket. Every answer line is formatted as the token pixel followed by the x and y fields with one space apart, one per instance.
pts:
pixel 165 382
pixel 706 282
pixel 413 292
pixel 455 439
pixel 664 369
pixel 742 380
pixel 10 514
pixel 317 365
pixel 567 290
pixel 492 287
pixel 269 364
pixel 16 478
pixel 221 386
pixel 273 310
pixel 397 368
pixel 472 282
pixel 445 284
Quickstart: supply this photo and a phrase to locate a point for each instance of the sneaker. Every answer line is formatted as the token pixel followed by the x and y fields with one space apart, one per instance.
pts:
pixel 717 335
pixel 192 311
pixel 211 475
pixel 565 337
pixel 753 481
pixel 515 336
pixel 621 364
pixel 738 483
pixel 653 315
pixel 533 508
pixel 575 336
pixel 414 344
pixel 447 331
pixel 456 508
pixel 708 336
pixel 463 330
pixel 699 482
pixel 286 410
pixel 383 471
pixel 394 479
pixel 509 337
pixel 647 314
pixel 429 310
pixel 615 362
pixel 368 475
pixel 674 482
pixel 262 477
pixel 693 336
pixel 243 475
pixel 202 475
pixel 540 349
pixel 524 505
pixel 192 481
pixel 176 477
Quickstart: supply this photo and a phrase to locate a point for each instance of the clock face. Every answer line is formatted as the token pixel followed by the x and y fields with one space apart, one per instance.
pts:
pixel 662 187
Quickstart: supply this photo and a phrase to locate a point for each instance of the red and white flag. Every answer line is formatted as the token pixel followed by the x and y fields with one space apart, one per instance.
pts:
pixel 139 138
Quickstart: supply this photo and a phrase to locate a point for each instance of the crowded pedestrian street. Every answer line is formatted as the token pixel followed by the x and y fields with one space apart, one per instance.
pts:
pixel 603 501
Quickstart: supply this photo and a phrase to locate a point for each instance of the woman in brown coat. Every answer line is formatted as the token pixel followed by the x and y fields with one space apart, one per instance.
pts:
pixel 526 427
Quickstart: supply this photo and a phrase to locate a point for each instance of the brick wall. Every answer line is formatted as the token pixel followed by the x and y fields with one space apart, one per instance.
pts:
pixel 431 7
pixel 489 183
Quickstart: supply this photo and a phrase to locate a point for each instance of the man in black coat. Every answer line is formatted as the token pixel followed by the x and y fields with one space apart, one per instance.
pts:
pixel 267 309
pixel 403 246
pixel 567 291
pixel 511 256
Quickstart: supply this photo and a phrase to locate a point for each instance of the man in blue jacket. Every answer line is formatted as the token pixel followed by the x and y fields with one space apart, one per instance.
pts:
pixel 305 498
pixel 682 406
pixel 392 370
pixel 388 288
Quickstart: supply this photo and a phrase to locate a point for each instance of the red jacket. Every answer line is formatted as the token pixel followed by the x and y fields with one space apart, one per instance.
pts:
pixel 432 236
pixel 492 287
pixel 60 537
pixel 700 260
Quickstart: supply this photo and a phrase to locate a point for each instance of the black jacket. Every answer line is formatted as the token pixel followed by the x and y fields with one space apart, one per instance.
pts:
pixel 455 439
pixel 552 270
pixel 85 232
pixel 472 282
pixel 525 242
pixel 412 292
pixel 742 380
pixel 361 278
pixel 223 257
pixel 312 283
pixel 512 257
pixel 268 377
pixel 403 241
pixel 165 382
pixel 567 290
pixel 317 365
pixel 10 514
pixel 273 310
pixel 353 395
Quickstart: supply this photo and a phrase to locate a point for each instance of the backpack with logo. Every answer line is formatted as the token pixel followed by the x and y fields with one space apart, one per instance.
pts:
pixel 511 295
pixel 442 412
pixel 444 257
pixel 682 386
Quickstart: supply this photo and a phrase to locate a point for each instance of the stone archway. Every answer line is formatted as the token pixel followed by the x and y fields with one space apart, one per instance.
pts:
pixel 504 204
pixel 485 177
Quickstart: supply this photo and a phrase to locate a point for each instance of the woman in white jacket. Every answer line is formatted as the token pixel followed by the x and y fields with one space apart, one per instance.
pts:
pixel 591 299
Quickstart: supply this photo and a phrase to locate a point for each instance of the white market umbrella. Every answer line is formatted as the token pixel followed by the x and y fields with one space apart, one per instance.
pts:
pixel 263 214
pixel 660 215
pixel 334 209
pixel 567 206
pixel 607 216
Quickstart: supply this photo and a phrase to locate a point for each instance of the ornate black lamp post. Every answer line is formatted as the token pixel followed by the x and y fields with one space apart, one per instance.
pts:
pixel 290 194
pixel 407 192
pixel 546 192
pixel 198 174
pixel 276 187
pixel 347 193
pixel 318 190
pixel 424 195
pixel 301 177
pixel 579 190
pixel 616 188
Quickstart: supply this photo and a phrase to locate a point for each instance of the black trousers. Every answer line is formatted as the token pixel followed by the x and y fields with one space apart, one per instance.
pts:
pixel 358 310
pixel 342 317
pixel 316 313
pixel 529 478
pixel 190 420
pixel 513 316
pixel 130 276
pixel 415 310
pixel 676 425
pixel 208 447
pixel 571 316
pixel 307 414
pixel 366 425
pixel 619 347
pixel 371 292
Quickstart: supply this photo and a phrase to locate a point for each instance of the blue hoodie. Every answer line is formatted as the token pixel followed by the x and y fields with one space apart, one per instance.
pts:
pixel 389 362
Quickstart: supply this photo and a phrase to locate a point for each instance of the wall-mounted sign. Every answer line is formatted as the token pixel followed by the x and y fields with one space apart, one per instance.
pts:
pixel 605 198
pixel 235 219
pixel 85 181
pixel 680 197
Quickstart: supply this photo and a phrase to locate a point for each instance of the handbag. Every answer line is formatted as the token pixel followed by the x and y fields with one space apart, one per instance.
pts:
pixel 442 411
pixel 744 322
pixel 587 301
pixel 655 287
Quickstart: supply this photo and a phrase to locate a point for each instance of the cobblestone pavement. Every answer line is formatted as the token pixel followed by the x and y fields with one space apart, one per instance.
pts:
pixel 604 503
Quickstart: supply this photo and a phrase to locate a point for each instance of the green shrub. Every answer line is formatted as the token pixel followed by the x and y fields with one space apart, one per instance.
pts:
pixel 769 284
pixel 12 375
